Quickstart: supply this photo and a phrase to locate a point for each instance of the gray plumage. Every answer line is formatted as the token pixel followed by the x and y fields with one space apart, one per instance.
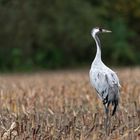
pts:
pixel 102 78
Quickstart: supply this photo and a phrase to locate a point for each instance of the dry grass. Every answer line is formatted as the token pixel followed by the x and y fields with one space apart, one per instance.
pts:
pixel 63 105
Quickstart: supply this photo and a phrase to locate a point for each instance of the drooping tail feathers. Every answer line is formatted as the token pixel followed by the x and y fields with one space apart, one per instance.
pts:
pixel 115 104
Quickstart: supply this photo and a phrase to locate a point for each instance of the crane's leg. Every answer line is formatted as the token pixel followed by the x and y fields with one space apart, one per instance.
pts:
pixel 106 106
pixel 106 118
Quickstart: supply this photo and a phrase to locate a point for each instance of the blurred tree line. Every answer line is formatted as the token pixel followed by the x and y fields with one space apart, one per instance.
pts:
pixel 56 33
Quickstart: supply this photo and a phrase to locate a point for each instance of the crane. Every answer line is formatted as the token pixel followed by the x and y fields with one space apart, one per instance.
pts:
pixel 103 79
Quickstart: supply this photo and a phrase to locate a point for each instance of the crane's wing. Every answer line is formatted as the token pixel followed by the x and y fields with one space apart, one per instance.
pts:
pixel 104 82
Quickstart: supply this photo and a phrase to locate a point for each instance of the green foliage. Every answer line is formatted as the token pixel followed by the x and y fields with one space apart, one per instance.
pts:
pixel 54 34
pixel 121 50
pixel 16 57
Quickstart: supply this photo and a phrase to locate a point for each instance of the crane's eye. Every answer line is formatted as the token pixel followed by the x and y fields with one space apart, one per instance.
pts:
pixel 100 29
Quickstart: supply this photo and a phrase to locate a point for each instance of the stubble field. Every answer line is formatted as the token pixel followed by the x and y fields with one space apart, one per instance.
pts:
pixel 62 105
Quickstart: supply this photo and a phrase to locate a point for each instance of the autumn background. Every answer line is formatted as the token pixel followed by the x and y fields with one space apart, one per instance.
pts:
pixel 46 50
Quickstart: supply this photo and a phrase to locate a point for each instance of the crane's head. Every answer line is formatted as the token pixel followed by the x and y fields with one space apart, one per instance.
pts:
pixel 99 30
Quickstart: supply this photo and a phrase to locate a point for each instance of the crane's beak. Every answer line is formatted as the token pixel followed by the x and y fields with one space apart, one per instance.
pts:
pixel 106 31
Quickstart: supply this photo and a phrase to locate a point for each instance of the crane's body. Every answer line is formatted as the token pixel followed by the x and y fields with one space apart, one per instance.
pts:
pixel 102 78
pixel 106 83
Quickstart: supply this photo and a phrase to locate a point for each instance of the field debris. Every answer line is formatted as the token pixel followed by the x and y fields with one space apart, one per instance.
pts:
pixel 63 106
